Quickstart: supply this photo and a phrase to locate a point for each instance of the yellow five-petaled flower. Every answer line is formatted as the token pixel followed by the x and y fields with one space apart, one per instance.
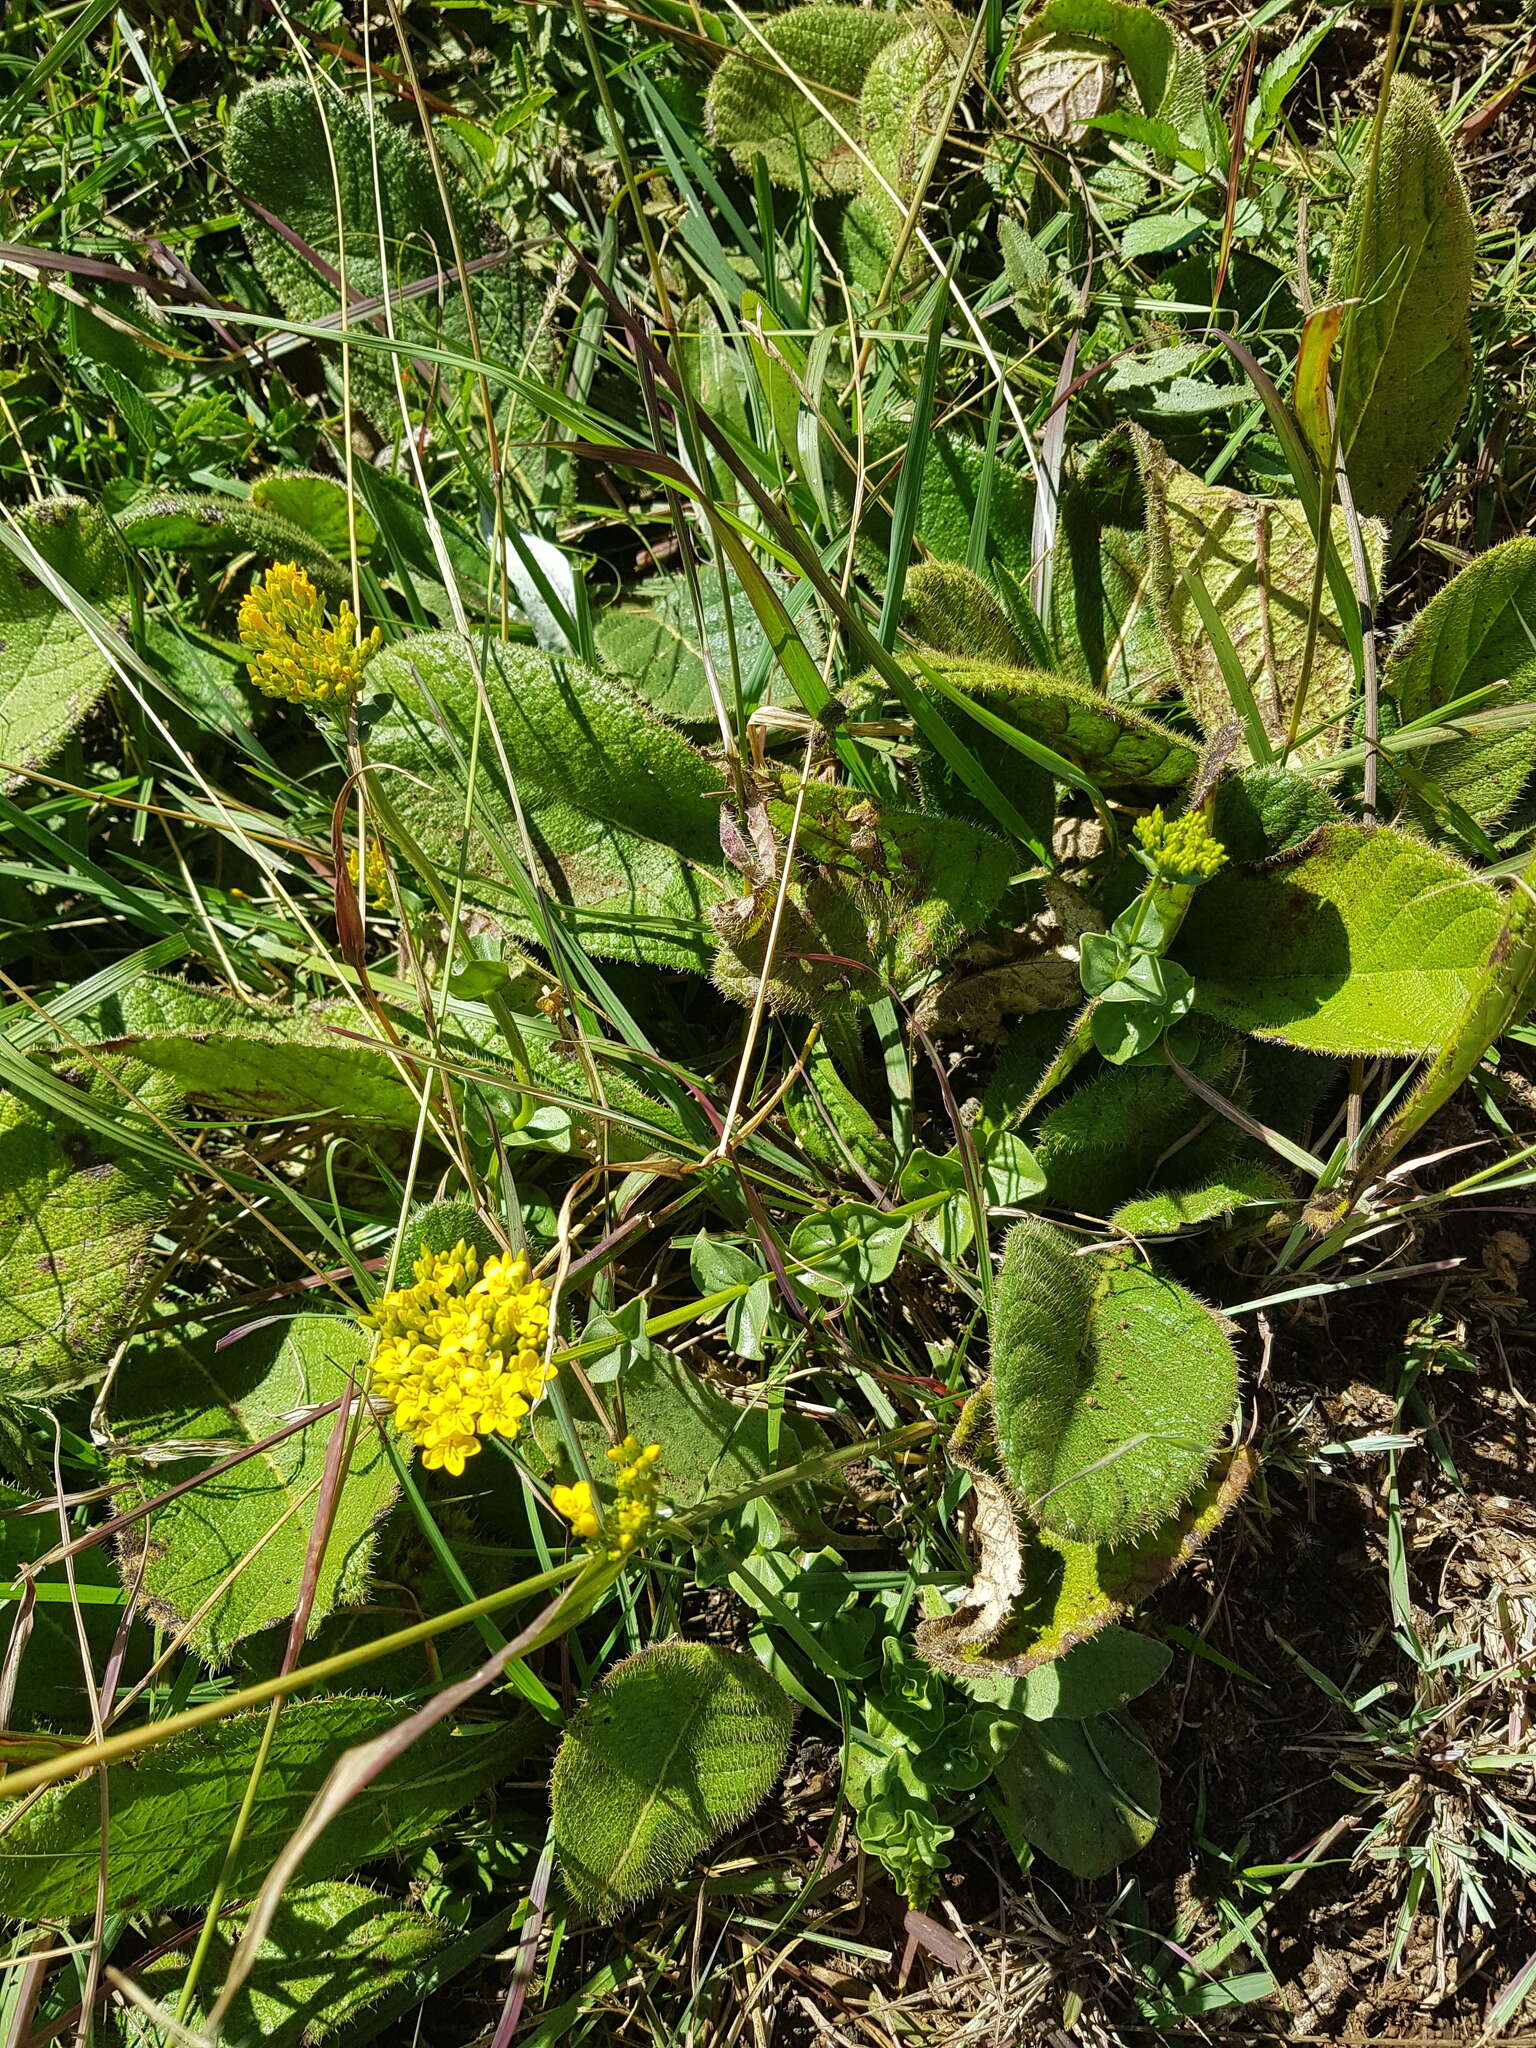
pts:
pixel 291 651
pixel 636 1484
pixel 461 1351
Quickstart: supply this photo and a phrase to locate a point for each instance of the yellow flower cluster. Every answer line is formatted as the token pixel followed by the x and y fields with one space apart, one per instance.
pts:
pixel 636 1484
pixel 1182 849
pixel 375 872
pixel 461 1351
pixel 293 653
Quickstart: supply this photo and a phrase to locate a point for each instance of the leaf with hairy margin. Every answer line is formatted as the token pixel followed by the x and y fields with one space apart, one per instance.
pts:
pixel 1354 942
pixel 675 1747
pixel 52 1690
pixel 256 1058
pixel 52 673
pixel 1112 1386
pixel 1480 629
pixel 623 813
pixel 333 1950
pixel 1114 743
pixel 239 1541
pixel 77 1214
pixel 174 1805
pixel 184 522
pixel 1404 253
pixel 1036 1596
pixel 757 107
pixel 1255 558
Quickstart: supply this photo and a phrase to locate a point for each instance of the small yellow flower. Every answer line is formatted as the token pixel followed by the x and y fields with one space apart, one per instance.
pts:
pixel 636 1484
pixel 1182 849
pixel 461 1351
pixel 375 872
pixel 293 653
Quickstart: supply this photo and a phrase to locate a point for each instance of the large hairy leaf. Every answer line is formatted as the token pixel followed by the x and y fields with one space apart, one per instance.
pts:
pixel 655 644
pixel 1111 742
pixel 622 812
pixel 1255 558
pixel 1356 942
pixel 1404 251
pixel 194 521
pixel 1112 1386
pixel 1038 1596
pixel 239 1541
pixel 77 1213
pixel 757 106
pixel 1481 629
pixel 279 149
pixel 255 1057
pixel 333 1950
pixel 173 1809
pixel 674 1748
pixel 51 670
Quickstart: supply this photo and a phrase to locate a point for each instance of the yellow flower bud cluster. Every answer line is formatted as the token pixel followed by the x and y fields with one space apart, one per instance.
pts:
pixel 292 652
pixel 1181 849
pixel 636 1484
pixel 461 1351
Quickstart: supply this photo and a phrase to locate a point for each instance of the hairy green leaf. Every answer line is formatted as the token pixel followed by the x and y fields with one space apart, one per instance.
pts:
pixel 950 609
pixel 623 813
pixel 902 107
pixel 1165 66
pixel 1354 942
pixel 1480 629
pixel 1087 1793
pixel 1262 811
pixel 189 522
pixel 1405 252
pixel 52 672
pixel 228 1556
pixel 173 1810
pixel 1112 1386
pixel 256 1057
pixel 1130 1127
pixel 1113 743
pixel 1239 1183
pixel 1255 558
pixel 382 216
pixel 333 1950
pixel 1036 1595
pixel 674 1748
pixel 76 1219
pixel 758 107
pixel 318 505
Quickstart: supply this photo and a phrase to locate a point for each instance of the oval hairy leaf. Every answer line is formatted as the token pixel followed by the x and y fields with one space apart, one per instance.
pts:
pixel 1111 742
pixel 675 1747
pixel 1404 253
pixel 757 106
pixel 1112 1386
pixel 51 670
